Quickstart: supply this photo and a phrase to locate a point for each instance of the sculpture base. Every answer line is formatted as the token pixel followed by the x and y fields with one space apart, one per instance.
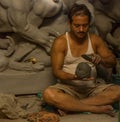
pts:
pixel 21 82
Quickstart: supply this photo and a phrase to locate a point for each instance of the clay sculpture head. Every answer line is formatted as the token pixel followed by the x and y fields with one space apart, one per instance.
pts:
pixel 83 70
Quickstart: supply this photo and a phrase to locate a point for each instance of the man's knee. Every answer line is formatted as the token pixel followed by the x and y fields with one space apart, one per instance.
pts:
pixel 114 92
pixel 49 95
pixel 114 88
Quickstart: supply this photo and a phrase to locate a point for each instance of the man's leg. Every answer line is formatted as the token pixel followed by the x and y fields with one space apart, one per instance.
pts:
pixel 108 96
pixel 66 102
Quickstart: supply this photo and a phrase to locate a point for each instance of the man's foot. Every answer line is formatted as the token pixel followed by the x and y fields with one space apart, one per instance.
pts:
pixel 61 112
pixel 105 109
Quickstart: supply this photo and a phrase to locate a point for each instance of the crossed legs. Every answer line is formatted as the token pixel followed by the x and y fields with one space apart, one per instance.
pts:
pixel 108 96
pixel 96 104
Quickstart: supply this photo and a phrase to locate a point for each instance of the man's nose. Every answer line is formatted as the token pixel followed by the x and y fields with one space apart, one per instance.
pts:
pixel 81 28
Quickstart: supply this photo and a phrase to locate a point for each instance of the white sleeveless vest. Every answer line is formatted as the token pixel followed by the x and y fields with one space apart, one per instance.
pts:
pixel 71 62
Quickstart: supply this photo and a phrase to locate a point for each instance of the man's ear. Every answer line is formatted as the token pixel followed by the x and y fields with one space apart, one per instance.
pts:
pixel 68 22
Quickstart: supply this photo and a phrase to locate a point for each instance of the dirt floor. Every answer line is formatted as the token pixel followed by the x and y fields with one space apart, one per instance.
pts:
pixel 78 118
pixel 33 104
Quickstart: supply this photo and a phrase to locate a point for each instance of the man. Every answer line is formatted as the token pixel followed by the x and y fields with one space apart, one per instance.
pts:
pixel 69 94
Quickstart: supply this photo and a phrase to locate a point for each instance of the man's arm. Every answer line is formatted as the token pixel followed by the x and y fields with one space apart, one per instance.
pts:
pixel 108 59
pixel 58 53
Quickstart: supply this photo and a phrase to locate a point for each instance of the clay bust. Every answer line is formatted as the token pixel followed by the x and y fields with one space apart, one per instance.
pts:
pixel 107 13
pixel 32 27
pixel 24 18
pixel 83 70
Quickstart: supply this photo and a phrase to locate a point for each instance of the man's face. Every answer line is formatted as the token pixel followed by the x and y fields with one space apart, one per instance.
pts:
pixel 80 26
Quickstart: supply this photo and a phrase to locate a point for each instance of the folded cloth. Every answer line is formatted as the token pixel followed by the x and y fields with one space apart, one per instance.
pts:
pixel 9 107
pixel 43 116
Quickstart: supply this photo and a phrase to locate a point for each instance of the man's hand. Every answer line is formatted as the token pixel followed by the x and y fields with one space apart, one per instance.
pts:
pixel 88 79
pixel 83 82
pixel 96 59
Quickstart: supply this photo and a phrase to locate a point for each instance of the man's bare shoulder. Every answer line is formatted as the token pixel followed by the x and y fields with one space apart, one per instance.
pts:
pixel 61 38
pixel 60 43
pixel 96 39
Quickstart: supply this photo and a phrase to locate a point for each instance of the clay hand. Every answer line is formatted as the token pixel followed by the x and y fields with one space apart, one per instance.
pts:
pixel 48 36
pixel 38 67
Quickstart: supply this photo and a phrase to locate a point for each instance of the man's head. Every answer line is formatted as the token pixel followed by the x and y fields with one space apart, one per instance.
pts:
pixel 79 19
pixel 79 10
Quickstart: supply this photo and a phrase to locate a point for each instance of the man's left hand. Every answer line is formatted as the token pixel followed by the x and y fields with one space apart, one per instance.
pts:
pixel 96 59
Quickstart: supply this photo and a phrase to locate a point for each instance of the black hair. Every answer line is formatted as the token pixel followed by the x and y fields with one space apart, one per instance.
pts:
pixel 79 9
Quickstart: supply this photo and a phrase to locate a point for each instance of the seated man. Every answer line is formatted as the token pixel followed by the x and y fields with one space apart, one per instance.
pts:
pixel 70 93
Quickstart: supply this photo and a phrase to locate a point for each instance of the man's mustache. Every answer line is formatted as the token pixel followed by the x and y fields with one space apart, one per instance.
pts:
pixel 80 32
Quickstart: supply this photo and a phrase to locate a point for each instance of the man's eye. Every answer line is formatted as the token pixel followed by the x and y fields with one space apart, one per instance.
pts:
pixel 85 25
pixel 76 25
